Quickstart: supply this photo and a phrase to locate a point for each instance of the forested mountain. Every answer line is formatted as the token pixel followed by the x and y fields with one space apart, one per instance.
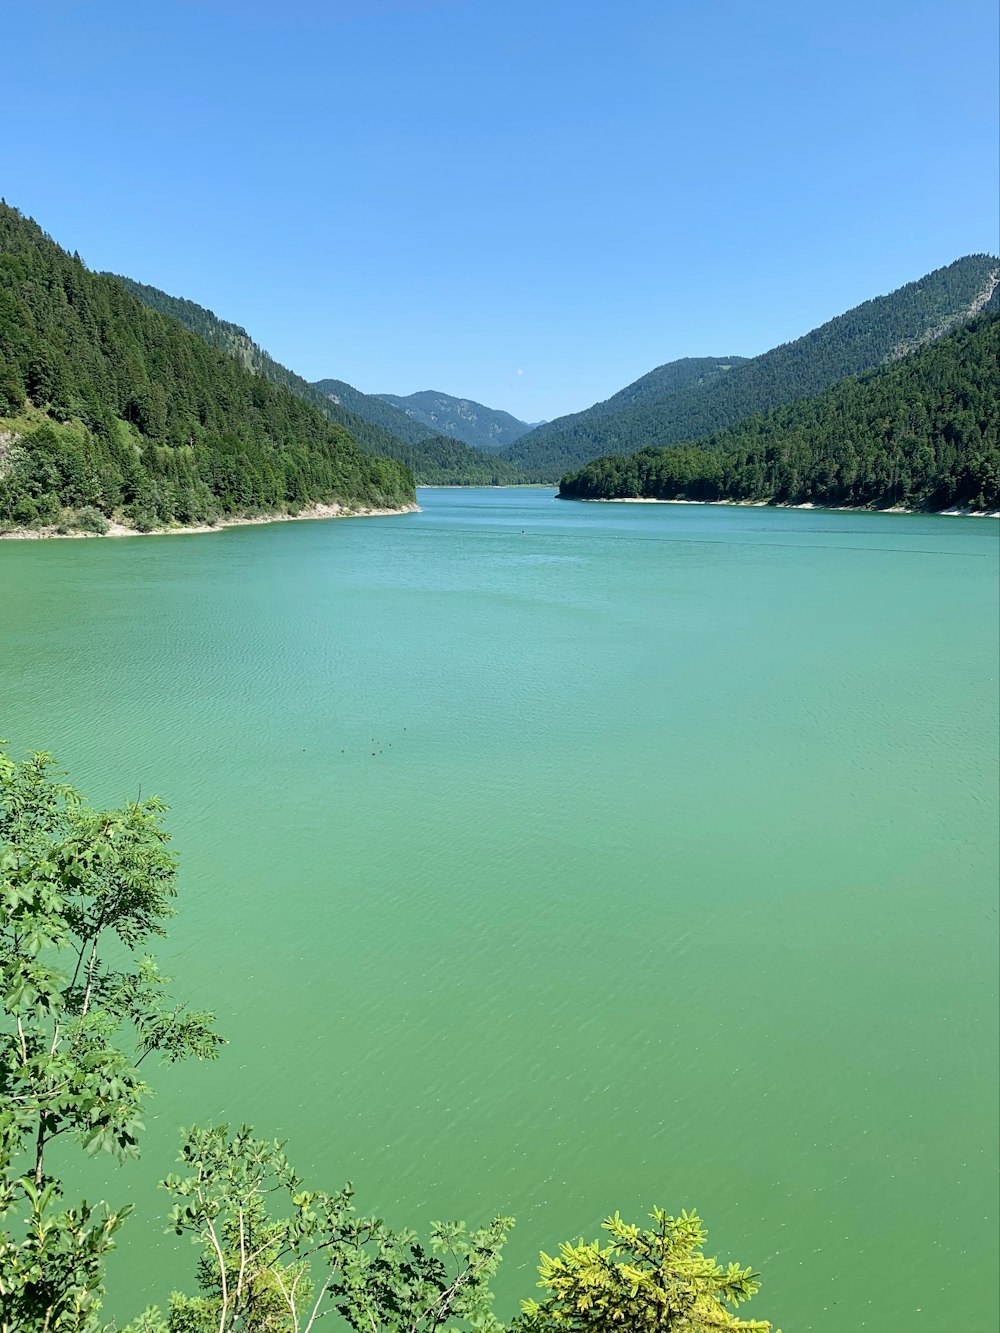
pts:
pixel 441 414
pixel 107 406
pixel 372 429
pixel 441 461
pixel 378 427
pixel 922 433
pixel 862 339
pixel 372 408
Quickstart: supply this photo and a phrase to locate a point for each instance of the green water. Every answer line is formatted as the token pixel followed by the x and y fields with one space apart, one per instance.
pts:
pixel 554 858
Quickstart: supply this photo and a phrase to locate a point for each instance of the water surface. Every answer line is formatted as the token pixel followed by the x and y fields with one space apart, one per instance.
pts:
pixel 554 858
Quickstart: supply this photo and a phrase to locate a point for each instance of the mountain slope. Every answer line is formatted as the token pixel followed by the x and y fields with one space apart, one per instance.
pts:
pixel 922 433
pixel 372 408
pixel 372 435
pixel 440 460
pixel 114 408
pixel 860 340
pixel 378 427
pixel 472 423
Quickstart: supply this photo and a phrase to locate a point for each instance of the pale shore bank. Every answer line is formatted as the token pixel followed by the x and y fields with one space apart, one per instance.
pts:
pixel 764 504
pixel 312 512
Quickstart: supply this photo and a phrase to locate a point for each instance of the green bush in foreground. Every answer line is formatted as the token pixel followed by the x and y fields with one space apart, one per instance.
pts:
pixel 656 1279
pixel 79 887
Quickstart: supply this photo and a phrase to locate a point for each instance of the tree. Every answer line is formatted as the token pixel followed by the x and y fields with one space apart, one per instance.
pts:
pixel 645 1281
pixel 276 1258
pixel 81 893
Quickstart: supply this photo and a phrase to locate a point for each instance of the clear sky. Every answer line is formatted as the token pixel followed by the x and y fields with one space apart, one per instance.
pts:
pixel 526 202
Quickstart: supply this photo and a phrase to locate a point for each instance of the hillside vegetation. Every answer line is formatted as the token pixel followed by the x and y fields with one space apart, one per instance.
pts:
pixel 375 427
pixel 110 408
pixel 378 427
pixel 921 433
pixel 862 339
pixel 371 408
pixel 461 418
pixel 441 461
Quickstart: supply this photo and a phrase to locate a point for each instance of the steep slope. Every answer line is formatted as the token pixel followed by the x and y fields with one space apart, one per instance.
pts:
pixel 922 432
pixel 373 431
pixel 113 408
pixel 370 407
pixel 472 423
pixel 860 340
pixel 378 427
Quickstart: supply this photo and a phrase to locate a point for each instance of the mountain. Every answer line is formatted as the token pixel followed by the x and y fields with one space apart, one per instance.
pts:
pixel 373 432
pixel 111 408
pixel 472 423
pixel 378 427
pixel 374 409
pixel 922 433
pixel 440 460
pixel 666 406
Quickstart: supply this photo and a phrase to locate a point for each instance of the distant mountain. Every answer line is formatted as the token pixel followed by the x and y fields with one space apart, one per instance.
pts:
pixel 684 400
pixel 111 409
pixel 922 432
pixel 472 423
pixel 378 427
pixel 374 409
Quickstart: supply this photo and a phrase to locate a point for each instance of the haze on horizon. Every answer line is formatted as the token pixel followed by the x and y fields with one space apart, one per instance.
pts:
pixel 525 205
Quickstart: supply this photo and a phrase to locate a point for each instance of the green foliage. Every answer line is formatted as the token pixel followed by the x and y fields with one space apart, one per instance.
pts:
pixel 687 400
pixel 374 409
pixel 655 1279
pixel 89 519
pixel 442 461
pixel 378 427
pixel 53 1280
pixel 275 1256
pixel 81 893
pixel 143 416
pixel 460 418
pixel 923 433
pixel 374 425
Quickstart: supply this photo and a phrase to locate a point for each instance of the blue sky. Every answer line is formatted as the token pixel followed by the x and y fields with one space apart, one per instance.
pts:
pixel 529 204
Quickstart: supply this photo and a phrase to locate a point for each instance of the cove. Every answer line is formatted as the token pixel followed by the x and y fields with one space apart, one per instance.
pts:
pixel 554 858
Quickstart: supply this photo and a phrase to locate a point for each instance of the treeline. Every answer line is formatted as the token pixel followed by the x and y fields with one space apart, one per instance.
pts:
pixel 862 339
pixel 444 461
pixel 116 409
pixel 922 433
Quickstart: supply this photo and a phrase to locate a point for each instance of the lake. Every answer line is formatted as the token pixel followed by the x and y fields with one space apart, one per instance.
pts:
pixel 554 858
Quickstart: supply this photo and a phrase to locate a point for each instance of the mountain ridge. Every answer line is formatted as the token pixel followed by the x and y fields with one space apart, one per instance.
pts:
pixel 378 428
pixel 919 432
pixel 858 340
pixel 464 419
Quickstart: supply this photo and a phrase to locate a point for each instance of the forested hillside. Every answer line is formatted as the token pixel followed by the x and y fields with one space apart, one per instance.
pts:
pixel 442 461
pixel 441 414
pixel 378 427
pixel 372 428
pixel 922 433
pixel 860 340
pixel 110 408
pixel 372 409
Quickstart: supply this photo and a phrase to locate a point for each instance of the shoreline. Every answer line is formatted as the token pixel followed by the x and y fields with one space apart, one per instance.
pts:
pixel 766 504
pixel 311 513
